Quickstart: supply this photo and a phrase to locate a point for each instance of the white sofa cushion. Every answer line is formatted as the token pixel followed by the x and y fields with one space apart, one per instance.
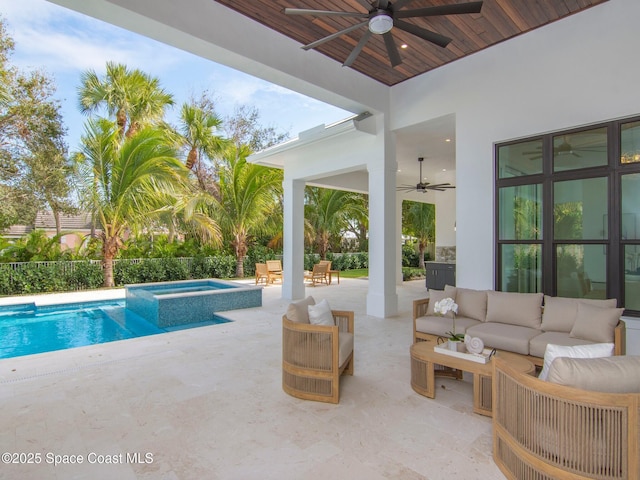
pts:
pixel 538 344
pixel 594 350
pixel 320 314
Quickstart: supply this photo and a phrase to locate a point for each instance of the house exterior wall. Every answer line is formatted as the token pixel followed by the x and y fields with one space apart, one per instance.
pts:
pixel 578 71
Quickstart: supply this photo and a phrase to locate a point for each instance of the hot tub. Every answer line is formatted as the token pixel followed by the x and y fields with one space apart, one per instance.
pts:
pixel 168 304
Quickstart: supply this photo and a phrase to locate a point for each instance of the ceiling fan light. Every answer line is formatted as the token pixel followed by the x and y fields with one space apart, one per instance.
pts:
pixel 380 23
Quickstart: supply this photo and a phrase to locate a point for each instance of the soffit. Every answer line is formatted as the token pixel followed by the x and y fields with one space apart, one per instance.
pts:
pixel 498 21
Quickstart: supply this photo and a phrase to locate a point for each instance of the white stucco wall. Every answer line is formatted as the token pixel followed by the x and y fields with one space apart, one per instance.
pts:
pixel 577 71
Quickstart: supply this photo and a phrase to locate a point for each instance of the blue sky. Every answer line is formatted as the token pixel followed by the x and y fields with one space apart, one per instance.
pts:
pixel 64 44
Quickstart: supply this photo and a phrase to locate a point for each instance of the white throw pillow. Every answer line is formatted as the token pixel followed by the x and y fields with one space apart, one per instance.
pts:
pixel 320 314
pixel 593 350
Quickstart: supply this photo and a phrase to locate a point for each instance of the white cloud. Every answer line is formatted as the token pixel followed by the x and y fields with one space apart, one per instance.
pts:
pixel 66 43
pixel 60 40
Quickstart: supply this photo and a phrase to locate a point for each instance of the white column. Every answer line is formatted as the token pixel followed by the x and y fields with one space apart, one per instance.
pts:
pixel 445 215
pixel 382 298
pixel 293 239
pixel 399 198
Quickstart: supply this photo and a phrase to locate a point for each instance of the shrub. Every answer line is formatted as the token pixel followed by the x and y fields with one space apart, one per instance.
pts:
pixel 310 259
pixel 411 273
pixel 174 269
pixel 85 275
pixel 224 266
pixel 126 272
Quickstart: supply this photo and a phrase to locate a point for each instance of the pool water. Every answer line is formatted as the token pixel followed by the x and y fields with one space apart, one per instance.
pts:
pixel 27 329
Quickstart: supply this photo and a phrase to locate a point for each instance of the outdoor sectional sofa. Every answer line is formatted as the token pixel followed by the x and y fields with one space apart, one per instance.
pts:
pixel 523 323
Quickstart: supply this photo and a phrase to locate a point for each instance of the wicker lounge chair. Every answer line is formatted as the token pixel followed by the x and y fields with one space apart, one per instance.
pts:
pixel 315 356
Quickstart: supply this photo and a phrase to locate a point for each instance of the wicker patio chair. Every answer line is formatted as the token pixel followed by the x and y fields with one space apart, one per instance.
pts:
pixel 315 356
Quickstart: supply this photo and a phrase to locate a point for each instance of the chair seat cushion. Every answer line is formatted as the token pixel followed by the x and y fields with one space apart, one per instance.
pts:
pixel 441 326
pixel 345 347
pixel 538 345
pixel 513 338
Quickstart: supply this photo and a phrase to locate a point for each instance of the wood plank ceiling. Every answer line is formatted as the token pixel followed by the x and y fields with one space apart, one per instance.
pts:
pixel 498 21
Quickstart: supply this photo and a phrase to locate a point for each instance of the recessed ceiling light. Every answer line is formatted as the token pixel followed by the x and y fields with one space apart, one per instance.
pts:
pixel 447 140
pixel 404 45
pixel 444 169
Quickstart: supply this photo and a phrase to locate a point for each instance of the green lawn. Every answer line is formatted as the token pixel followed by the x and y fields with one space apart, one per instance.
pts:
pixel 356 273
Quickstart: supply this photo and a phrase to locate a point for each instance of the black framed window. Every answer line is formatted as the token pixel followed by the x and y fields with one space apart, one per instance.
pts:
pixel 568 213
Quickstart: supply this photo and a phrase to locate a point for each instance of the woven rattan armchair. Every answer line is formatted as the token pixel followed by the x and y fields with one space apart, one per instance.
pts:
pixel 315 356
pixel 544 430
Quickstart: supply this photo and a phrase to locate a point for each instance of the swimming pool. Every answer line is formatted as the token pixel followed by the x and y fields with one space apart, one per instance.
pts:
pixel 26 329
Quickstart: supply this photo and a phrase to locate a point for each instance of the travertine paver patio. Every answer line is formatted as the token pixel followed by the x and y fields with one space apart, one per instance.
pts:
pixel 208 403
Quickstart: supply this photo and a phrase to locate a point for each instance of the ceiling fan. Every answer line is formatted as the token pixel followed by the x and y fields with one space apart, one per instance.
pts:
pixel 381 18
pixel 422 186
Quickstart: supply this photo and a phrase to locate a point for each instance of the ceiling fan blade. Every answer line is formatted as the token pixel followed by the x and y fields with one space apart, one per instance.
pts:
pixel 441 186
pixel 333 35
pixel 356 51
pixel 455 9
pixel 323 13
pixel 427 35
pixel 392 50
pixel 399 4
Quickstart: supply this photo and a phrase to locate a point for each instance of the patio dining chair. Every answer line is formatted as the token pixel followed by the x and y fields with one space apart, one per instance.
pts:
pixel 275 270
pixel 262 273
pixel 319 274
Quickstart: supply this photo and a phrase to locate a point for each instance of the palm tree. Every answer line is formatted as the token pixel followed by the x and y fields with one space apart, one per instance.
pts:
pixel 132 97
pixel 126 183
pixel 198 132
pixel 327 213
pixel 419 222
pixel 246 193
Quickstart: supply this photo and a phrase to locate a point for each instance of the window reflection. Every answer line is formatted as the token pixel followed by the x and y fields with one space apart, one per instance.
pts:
pixel 580 150
pixel 520 159
pixel 632 277
pixel 581 271
pixel 521 268
pixel 580 209
pixel 630 142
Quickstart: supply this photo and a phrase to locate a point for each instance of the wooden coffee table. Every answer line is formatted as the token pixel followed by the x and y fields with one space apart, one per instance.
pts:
pixel 423 359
